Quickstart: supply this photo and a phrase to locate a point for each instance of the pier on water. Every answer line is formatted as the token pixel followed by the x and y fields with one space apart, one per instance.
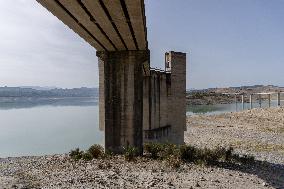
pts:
pixel 256 100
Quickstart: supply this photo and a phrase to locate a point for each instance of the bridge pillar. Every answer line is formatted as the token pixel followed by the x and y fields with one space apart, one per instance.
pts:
pixel 269 100
pixel 278 99
pixel 243 102
pixel 121 98
pixel 250 100
pixel 259 96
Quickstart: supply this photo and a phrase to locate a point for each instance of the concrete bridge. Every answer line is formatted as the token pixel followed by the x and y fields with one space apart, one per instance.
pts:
pixel 137 103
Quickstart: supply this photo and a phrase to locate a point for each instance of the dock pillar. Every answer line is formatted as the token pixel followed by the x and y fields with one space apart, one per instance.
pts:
pixel 121 98
pixel 236 101
pixel 259 99
pixel 269 100
pixel 243 102
pixel 250 101
pixel 278 99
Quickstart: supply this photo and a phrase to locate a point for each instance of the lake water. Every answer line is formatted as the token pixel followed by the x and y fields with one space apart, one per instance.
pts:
pixel 39 126
pixel 47 126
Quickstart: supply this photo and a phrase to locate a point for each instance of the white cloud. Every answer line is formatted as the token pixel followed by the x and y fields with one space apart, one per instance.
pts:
pixel 38 49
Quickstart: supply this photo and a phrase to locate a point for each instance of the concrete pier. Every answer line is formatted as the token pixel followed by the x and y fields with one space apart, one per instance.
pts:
pixel 121 108
pixel 250 101
pixel 243 102
pixel 269 100
pixel 259 100
pixel 278 99
pixel 236 102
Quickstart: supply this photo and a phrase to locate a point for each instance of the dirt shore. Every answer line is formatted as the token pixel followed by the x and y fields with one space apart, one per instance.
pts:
pixel 259 132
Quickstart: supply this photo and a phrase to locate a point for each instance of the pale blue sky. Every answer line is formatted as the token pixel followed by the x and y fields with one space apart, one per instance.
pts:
pixel 230 43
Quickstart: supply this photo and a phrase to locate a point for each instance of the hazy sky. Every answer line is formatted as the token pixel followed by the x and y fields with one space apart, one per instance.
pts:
pixel 230 43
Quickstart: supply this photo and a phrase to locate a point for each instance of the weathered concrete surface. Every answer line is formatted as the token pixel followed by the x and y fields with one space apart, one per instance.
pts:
pixel 106 25
pixel 122 85
pixel 177 101
pixel 165 101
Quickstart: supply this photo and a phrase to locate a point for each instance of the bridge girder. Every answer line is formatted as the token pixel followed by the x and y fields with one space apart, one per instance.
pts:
pixel 107 25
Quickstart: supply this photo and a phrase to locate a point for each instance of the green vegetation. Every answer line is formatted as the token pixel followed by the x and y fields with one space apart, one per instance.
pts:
pixel 130 153
pixel 172 154
pixel 186 153
pixel 96 151
pixel 76 154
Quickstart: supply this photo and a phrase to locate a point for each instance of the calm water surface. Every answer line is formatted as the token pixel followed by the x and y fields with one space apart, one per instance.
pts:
pixel 47 126
pixel 39 126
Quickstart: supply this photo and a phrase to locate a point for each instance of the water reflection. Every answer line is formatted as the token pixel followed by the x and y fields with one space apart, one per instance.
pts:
pixel 7 103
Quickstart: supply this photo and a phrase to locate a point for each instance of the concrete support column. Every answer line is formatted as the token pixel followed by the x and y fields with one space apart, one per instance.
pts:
pixel 278 99
pixel 121 105
pixel 236 101
pixel 259 99
pixel 250 101
pixel 269 100
pixel 243 102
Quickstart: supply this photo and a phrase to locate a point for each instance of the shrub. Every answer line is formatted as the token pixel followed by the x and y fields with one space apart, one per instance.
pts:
pixel 76 154
pixel 168 150
pixel 153 149
pixel 174 161
pixel 130 153
pixel 188 153
pixel 87 156
pixel 96 151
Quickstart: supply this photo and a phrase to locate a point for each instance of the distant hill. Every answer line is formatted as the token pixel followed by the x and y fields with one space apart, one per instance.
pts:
pixel 45 92
pixel 242 89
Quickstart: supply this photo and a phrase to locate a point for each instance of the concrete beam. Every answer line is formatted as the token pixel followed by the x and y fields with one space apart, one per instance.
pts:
pixel 118 17
pixel 81 15
pixel 105 22
pixel 115 25
pixel 135 10
pixel 72 23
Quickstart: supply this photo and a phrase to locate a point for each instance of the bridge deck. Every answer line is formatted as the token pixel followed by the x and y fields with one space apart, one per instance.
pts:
pixel 107 25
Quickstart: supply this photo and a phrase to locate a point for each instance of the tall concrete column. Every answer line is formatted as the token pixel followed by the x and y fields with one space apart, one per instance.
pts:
pixel 243 102
pixel 250 101
pixel 236 102
pixel 269 100
pixel 121 105
pixel 278 99
pixel 259 99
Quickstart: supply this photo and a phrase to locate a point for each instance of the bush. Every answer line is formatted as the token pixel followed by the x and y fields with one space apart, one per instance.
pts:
pixel 174 161
pixel 96 151
pixel 168 149
pixel 87 156
pixel 130 153
pixel 188 153
pixel 76 154
pixel 153 149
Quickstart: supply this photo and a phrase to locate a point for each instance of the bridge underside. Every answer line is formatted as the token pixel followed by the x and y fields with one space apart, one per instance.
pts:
pixel 107 25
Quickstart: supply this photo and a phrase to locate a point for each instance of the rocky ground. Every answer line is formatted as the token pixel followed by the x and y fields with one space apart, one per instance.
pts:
pixel 259 132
